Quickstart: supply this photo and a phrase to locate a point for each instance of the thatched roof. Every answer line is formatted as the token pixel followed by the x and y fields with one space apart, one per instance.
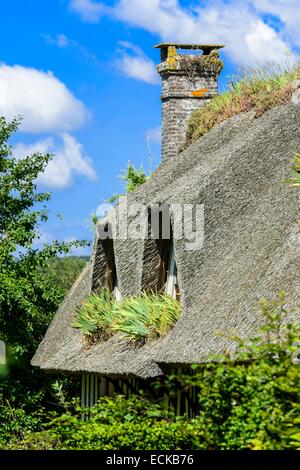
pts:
pixel 251 249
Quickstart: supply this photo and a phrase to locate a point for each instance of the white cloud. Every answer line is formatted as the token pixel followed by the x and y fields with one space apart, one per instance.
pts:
pixel 139 67
pixel 288 12
pixel 69 160
pixel 62 42
pixel 43 101
pixel 89 10
pixel 260 41
pixel 59 40
pixel 247 38
pixel 135 64
pixel 240 24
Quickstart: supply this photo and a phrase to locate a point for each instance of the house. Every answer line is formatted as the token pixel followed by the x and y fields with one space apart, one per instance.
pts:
pixel 230 184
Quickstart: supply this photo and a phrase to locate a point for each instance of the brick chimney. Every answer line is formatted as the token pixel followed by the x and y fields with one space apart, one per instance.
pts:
pixel 189 81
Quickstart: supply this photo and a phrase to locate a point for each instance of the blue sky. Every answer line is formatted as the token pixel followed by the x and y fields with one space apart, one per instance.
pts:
pixel 82 74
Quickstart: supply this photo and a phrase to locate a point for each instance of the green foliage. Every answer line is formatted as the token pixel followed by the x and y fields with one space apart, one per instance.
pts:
pixel 96 314
pixel 294 181
pixel 16 419
pixel 132 178
pixel 133 423
pixel 140 318
pixel 248 406
pixel 259 90
pixel 27 299
pixel 253 400
pixel 249 402
pixel 62 272
pixel 294 433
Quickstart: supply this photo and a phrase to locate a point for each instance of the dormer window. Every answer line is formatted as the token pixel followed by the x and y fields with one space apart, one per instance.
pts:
pixel 159 265
pixel 105 273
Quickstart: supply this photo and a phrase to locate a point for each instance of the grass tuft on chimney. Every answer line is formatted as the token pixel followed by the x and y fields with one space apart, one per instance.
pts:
pixel 258 90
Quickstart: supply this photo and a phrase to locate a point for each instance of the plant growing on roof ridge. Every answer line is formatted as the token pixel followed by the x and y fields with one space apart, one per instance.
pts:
pixel 96 314
pixel 139 318
pixel 132 178
pixel 294 180
pixel 258 91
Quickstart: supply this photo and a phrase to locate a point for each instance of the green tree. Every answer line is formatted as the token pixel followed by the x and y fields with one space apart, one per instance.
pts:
pixel 27 299
pixel 63 271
